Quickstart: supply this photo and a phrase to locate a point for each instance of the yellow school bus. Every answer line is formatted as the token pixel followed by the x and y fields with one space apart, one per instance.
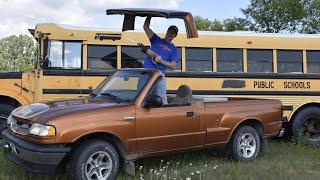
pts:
pixel 73 61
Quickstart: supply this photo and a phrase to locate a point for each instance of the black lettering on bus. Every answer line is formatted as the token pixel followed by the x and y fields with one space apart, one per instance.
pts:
pixel 263 84
pixel 308 85
pixel 296 85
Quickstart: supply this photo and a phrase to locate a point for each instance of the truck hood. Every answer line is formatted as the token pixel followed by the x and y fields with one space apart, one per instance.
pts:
pixel 43 112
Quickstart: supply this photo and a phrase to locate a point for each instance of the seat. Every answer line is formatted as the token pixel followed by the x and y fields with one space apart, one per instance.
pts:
pixel 184 95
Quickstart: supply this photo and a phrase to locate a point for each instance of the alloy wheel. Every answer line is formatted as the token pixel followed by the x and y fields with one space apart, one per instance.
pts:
pixel 247 145
pixel 98 166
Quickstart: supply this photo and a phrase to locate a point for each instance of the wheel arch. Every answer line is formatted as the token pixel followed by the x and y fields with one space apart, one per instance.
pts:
pixel 106 136
pixel 300 108
pixel 11 101
pixel 253 122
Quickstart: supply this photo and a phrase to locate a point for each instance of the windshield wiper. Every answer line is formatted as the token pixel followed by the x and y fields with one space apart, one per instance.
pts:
pixel 115 98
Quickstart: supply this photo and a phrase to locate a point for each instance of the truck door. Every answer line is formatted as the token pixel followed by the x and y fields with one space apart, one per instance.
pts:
pixel 167 128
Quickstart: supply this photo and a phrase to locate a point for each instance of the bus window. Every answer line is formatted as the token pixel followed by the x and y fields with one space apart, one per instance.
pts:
pixel 260 60
pixel 198 59
pixel 313 61
pixel 132 57
pixel 289 61
pixel 229 60
pixel 65 55
pixel 102 57
pixel 72 55
pixel 55 49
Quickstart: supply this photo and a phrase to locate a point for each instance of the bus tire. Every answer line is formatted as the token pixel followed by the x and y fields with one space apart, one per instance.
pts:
pixel 306 125
pixel 5 111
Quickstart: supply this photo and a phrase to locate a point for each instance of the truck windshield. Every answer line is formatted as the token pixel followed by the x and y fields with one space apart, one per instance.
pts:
pixel 123 86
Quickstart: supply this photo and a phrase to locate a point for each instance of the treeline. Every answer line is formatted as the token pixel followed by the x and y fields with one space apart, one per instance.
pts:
pixel 17 53
pixel 271 16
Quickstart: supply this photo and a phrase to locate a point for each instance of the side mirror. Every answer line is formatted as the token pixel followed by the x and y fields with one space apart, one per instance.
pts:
pixel 153 101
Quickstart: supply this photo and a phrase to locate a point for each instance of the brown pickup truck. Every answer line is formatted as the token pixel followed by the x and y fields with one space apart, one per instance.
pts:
pixel 124 120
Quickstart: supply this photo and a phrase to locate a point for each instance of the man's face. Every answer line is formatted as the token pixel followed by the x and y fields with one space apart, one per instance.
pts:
pixel 171 34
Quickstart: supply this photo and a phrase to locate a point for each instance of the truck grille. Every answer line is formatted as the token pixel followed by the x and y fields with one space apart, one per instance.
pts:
pixel 19 127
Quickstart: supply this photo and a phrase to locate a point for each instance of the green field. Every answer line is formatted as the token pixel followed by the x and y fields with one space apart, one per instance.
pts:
pixel 285 161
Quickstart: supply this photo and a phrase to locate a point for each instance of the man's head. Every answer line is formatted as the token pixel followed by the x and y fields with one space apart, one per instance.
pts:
pixel 172 32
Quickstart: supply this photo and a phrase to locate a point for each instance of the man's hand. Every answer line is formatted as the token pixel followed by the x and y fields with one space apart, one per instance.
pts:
pixel 147 51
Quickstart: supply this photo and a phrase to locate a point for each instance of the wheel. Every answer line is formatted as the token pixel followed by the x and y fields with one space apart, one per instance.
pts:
pixel 5 111
pixel 306 124
pixel 244 144
pixel 94 160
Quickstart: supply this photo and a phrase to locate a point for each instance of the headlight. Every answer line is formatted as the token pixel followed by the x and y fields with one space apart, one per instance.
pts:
pixel 42 130
pixel 11 120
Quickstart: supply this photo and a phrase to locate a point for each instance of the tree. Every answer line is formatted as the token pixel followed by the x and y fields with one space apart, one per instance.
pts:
pixel 311 22
pixel 17 53
pixel 202 23
pixel 205 24
pixel 236 24
pixel 275 15
pixel 217 25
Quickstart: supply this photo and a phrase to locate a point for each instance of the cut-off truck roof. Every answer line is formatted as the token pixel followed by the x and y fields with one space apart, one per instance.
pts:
pixel 131 13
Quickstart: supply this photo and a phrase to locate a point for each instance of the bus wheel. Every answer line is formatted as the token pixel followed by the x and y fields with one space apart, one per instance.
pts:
pixel 5 111
pixel 306 124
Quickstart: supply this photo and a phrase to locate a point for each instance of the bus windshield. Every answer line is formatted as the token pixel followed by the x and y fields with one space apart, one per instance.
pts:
pixel 124 86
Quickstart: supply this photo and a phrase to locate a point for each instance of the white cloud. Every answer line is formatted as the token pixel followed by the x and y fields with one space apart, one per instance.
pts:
pixel 19 15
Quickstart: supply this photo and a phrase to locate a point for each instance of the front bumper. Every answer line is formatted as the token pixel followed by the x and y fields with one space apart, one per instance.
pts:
pixel 33 157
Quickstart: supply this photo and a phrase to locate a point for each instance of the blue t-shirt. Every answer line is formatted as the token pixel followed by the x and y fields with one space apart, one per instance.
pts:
pixel 163 48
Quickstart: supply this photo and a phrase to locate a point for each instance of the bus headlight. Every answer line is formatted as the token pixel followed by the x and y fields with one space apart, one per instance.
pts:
pixel 42 130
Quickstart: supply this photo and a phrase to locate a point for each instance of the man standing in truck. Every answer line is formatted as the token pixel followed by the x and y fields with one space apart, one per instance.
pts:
pixel 161 55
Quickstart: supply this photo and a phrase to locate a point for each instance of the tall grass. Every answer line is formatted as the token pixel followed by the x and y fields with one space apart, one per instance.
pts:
pixel 286 160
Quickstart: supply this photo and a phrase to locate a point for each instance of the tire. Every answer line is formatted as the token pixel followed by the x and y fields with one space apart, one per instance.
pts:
pixel 5 111
pixel 306 125
pixel 89 156
pixel 244 144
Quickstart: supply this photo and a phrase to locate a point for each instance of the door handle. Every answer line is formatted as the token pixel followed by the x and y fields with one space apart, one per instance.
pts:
pixel 128 118
pixel 190 114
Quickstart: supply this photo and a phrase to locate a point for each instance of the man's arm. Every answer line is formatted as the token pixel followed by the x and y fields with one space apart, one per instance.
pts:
pixel 147 29
pixel 171 65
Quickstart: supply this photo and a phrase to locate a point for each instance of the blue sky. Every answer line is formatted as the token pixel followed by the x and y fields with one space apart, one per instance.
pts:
pixel 219 9
pixel 19 15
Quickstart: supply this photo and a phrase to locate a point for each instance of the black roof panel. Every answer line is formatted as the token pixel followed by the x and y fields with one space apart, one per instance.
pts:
pixel 148 12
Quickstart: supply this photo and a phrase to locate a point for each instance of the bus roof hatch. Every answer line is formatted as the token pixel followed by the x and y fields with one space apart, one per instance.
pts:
pixel 131 13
